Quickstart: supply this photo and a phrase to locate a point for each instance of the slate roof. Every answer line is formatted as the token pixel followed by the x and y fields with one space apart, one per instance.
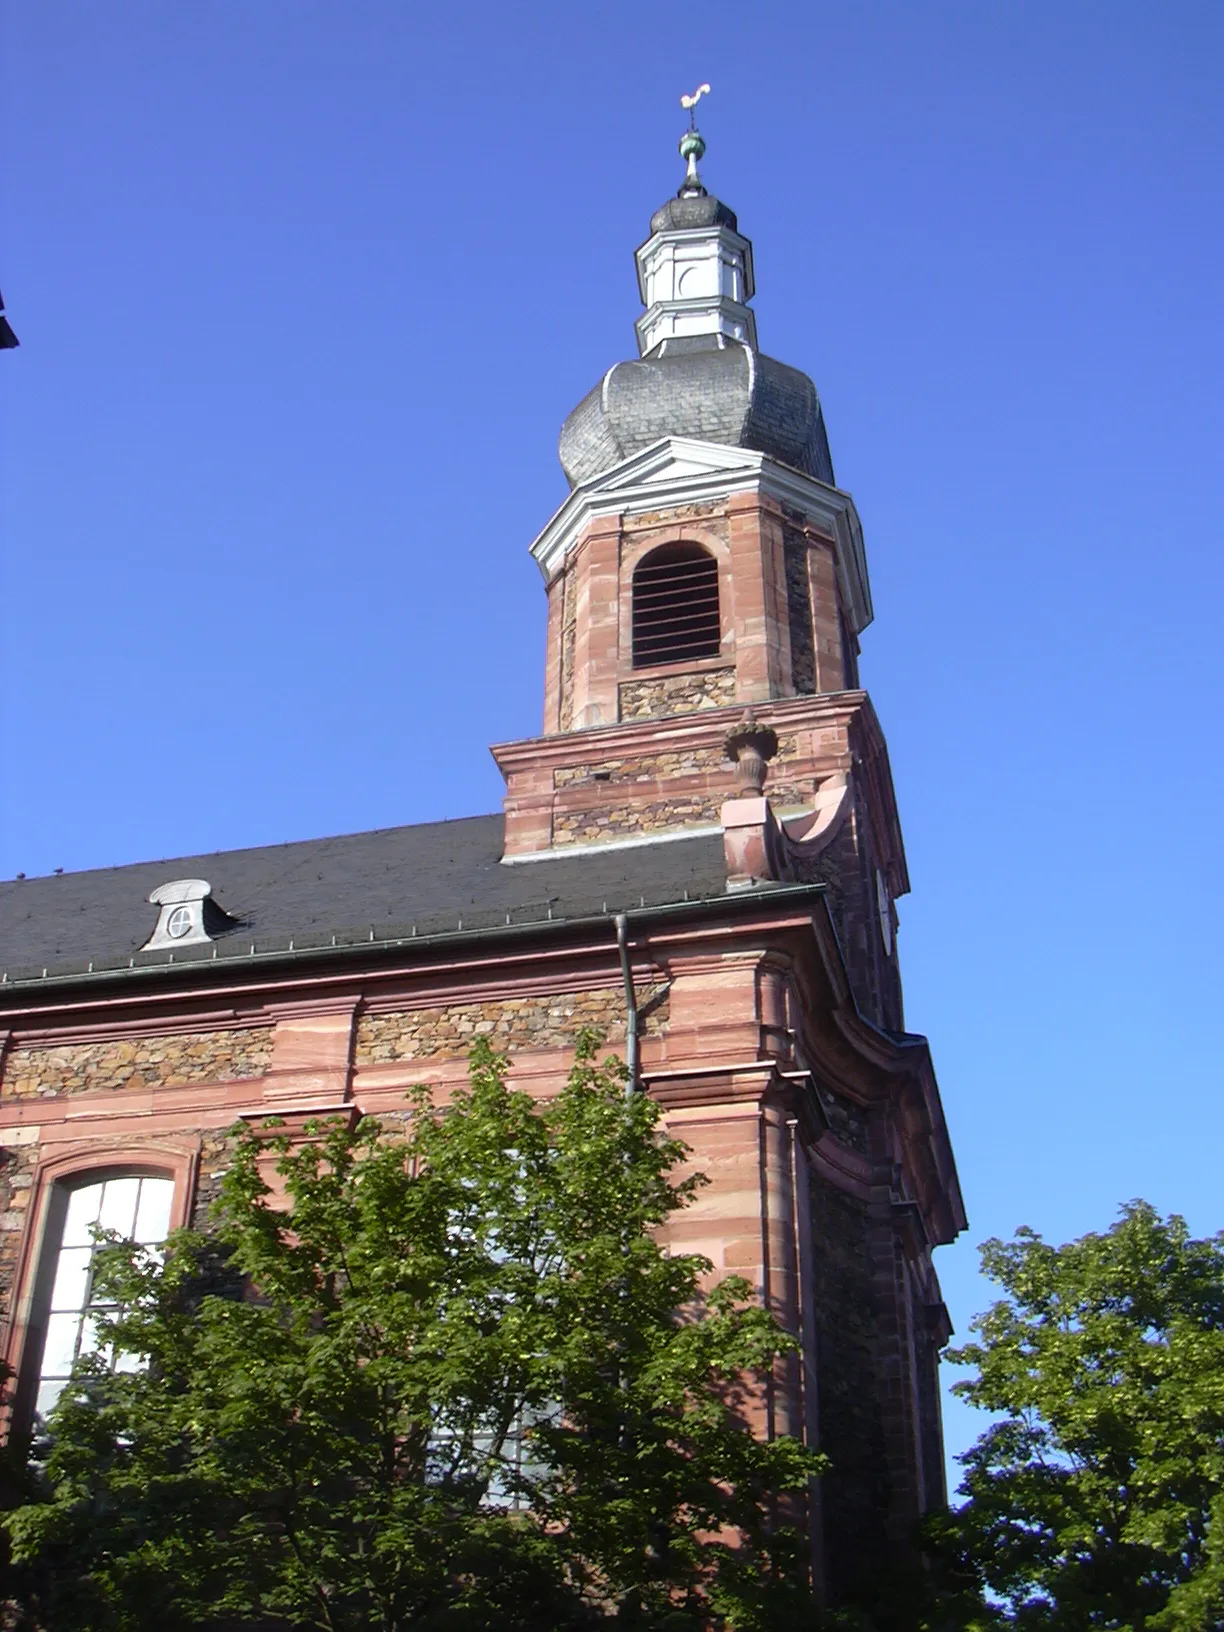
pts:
pixel 430 879
pixel 689 210
pixel 703 386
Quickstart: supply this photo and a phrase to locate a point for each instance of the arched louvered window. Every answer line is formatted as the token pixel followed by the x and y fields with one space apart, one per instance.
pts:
pixel 675 606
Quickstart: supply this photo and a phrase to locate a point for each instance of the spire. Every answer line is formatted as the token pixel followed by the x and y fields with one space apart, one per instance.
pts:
pixel 699 373
pixel 692 146
pixel 695 269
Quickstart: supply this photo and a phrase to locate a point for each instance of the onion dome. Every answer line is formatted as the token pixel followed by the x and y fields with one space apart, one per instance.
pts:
pixel 709 388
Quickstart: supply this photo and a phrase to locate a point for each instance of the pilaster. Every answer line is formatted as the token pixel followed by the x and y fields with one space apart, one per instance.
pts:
pixel 830 661
pixel 554 655
pixel 312 1055
pixel 759 610
pixel 596 630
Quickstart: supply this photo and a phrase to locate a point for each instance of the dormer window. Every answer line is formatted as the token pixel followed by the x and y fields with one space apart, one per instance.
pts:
pixel 188 916
pixel 675 606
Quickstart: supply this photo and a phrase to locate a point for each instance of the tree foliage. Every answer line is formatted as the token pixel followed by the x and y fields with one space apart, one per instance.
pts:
pixel 1096 1499
pixel 454 1382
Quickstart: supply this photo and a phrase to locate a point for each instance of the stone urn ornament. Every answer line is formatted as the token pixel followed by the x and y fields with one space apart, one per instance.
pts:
pixel 750 746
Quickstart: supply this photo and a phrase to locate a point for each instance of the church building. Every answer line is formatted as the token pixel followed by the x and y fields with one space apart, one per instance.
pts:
pixel 699 854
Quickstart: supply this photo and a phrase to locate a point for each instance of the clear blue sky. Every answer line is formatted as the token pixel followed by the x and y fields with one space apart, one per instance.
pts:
pixel 304 292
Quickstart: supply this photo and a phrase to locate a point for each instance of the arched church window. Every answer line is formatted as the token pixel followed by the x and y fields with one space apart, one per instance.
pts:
pixel 137 1207
pixel 675 606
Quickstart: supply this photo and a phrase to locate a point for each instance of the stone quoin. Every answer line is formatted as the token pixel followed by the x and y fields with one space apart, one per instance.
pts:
pixel 709 769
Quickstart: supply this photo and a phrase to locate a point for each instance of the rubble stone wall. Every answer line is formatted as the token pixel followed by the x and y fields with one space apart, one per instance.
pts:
pixel 799 610
pixel 710 760
pixel 17 1164
pixel 536 1022
pixel 136 1062
pixel 644 767
pixel 676 693
pixel 857 1490
pixel 622 820
pixel 214 1159
pixel 712 517
pixel 847 1121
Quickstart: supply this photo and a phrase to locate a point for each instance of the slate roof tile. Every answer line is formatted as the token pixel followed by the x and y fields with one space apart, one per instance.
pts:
pixel 425 879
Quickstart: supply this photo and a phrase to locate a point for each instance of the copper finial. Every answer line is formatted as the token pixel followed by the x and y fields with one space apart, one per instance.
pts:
pixel 692 145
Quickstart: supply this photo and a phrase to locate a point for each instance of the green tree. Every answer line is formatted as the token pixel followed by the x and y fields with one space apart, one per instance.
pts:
pixel 1096 1500
pixel 456 1384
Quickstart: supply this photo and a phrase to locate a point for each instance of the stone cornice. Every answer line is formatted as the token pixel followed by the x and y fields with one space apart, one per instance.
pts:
pixel 652 734
pixel 849 711
pixel 678 471
pixel 884 1067
pixel 902 1066
pixel 326 977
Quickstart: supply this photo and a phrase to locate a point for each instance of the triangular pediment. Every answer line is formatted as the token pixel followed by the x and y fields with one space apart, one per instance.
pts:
pixel 680 471
pixel 673 458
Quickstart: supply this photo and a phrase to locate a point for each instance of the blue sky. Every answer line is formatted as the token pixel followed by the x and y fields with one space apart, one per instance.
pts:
pixel 305 290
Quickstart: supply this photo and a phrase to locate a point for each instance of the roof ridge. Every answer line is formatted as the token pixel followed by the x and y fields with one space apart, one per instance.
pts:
pixel 251 849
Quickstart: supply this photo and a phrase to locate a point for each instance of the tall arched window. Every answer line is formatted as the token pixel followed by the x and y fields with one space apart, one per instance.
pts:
pixel 675 606
pixel 137 1207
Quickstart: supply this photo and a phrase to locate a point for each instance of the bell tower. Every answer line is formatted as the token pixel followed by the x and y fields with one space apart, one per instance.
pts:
pixel 706 563
pixel 707 587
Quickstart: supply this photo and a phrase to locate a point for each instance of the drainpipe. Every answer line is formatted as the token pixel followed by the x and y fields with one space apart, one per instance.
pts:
pixel 631 1007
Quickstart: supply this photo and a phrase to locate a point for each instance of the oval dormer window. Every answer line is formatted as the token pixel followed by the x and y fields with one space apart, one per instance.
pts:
pixel 179 923
pixel 675 606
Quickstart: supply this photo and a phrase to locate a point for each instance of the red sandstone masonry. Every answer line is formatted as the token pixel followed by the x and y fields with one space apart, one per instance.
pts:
pixel 826 622
pixel 553 797
pixel 312 1052
pixel 708 527
pixel 753 599
pixel 596 566
pixel 747 998
pixel 554 662
pixel 589 675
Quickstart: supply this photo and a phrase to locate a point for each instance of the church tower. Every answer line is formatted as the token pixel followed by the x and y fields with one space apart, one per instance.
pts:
pixel 706 564
pixel 707 586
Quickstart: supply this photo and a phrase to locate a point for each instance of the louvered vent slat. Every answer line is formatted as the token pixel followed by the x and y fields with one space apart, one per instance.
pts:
pixel 675 606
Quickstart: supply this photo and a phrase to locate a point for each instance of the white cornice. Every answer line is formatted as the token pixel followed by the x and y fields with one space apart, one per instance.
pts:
pixel 679 470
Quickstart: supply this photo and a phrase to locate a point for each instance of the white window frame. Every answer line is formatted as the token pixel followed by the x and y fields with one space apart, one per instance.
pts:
pixel 138 1207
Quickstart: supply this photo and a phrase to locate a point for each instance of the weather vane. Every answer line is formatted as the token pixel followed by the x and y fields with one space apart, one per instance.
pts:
pixel 692 144
pixel 690 102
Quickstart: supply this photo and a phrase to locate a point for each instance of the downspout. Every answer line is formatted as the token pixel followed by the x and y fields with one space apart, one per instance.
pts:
pixel 631 1006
